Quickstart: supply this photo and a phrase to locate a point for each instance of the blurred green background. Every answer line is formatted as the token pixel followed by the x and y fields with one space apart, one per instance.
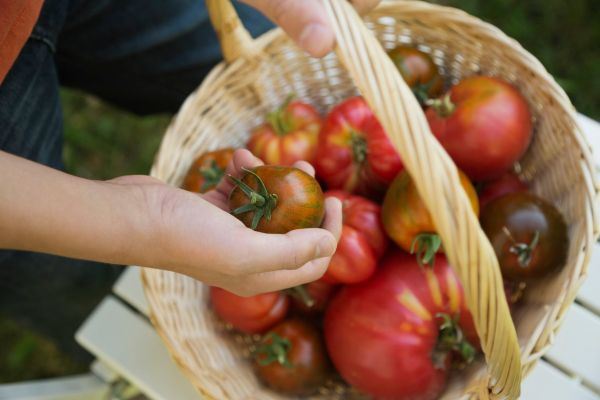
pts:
pixel 102 142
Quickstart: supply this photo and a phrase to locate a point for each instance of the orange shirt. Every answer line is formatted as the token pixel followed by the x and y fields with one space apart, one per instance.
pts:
pixel 17 19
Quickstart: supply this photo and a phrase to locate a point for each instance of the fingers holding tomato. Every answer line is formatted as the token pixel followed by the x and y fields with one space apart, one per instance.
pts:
pixel 362 242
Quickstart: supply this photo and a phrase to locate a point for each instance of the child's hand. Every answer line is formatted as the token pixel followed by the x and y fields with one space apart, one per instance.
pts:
pixel 209 244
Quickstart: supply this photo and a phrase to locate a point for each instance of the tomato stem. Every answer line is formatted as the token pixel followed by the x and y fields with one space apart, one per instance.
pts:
pixel 523 251
pixel 426 245
pixel 212 175
pixel 359 147
pixel 421 92
pixel 273 349
pixel 443 106
pixel 302 294
pixel 281 125
pixel 262 203
pixel 451 340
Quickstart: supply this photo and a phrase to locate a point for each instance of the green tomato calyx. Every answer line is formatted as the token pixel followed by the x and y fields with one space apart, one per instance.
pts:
pixel 212 175
pixel 274 348
pixel 443 106
pixel 262 203
pixel 451 339
pixel 425 246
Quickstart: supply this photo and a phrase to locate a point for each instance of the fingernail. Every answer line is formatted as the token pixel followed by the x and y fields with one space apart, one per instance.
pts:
pixel 315 39
pixel 326 246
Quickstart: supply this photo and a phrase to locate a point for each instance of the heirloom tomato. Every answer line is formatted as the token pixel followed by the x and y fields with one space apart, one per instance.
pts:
pixel 529 235
pixel 395 336
pixel 207 170
pixel 507 183
pixel 408 222
pixel 484 124
pixel 419 71
pixel 289 135
pixel 354 152
pixel 292 358
pixel 253 314
pixel 362 243
pixel 274 199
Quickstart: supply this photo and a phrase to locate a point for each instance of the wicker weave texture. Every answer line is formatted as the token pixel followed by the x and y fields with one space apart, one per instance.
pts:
pixel 235 97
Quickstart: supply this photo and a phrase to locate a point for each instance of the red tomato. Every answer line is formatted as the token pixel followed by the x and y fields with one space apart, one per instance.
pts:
pixel 385 337
pixel 313 297
pixel 291 358
pixel 362 243
pixel 253 314
pixel 290 135
pixel 354 153
pixel 484 124
pixel 419 71
pixel 507 183
pixel 207 170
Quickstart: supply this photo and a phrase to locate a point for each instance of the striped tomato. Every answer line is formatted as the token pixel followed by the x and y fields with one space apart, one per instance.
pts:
pixel 289 135
pixel 395 335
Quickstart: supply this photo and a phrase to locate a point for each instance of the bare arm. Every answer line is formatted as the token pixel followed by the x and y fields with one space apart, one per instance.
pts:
pixel 139 220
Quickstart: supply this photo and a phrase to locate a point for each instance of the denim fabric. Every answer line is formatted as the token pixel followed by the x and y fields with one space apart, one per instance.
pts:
pixel 145 56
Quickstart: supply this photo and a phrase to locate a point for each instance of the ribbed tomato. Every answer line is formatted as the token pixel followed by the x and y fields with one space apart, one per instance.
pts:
pixel 289 135
pixel 394 336
pixel 484 124
pixel 253 314
pixel 362 242
pixel 207 170
pixel 354 154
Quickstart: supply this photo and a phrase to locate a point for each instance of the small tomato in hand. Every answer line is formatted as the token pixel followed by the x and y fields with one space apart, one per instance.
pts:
pixel 208 169
pixel 419 71
pixel 396 335
pixel 408 222
pixel 274 199
pixel 253 314
pixel 484 124
pixel 529 235
pixel 354 152
pixel 291 358
pixel 290 135
pixel 362 242
pixel 507 183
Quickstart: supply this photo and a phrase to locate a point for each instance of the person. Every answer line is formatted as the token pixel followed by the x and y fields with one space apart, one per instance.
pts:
pixel 61 233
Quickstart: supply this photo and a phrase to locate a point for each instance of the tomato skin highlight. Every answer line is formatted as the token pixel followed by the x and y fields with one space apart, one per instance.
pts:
pixel 513 220
pixel 507 183
pixel 362 243
pixel 488 130
pixel 253 314
pixel 354 154
pixel 381 333
pixel 308 367
pixel 404 213
pixel 207 170
pixel 291 137
pixel 300 201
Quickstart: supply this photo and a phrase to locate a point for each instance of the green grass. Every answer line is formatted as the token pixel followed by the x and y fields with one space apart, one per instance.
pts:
pixel 102 142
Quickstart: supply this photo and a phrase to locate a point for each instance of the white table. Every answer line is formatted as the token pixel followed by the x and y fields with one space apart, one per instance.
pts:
pixel 119 333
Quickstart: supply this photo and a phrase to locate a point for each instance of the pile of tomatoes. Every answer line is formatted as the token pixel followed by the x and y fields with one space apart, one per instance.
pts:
pixel 389 315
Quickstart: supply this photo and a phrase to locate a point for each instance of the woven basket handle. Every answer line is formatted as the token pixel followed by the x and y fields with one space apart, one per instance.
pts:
pixel 435 176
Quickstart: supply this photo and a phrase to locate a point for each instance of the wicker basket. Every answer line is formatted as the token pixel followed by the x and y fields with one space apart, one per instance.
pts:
pixel 258 75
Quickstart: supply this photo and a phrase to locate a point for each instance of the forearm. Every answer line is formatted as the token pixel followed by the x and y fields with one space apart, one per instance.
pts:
pixel 48 211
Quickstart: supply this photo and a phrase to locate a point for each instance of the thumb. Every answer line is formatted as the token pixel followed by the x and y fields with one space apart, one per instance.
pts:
pixel 305 21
